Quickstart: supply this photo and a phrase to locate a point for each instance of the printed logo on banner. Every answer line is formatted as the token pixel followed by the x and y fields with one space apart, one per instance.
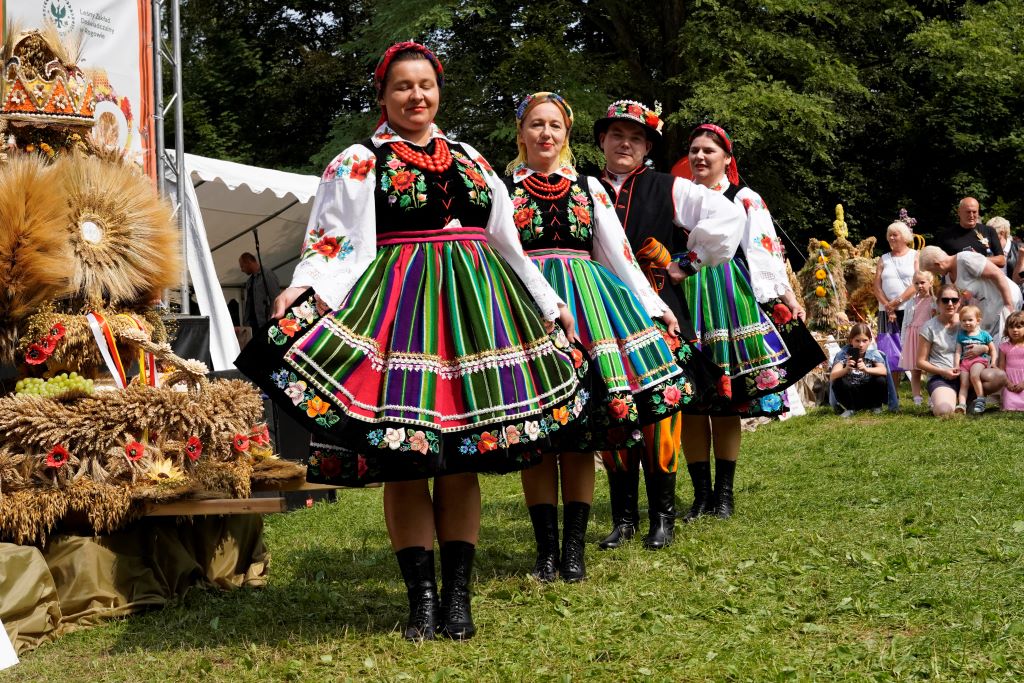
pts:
pixel 61 13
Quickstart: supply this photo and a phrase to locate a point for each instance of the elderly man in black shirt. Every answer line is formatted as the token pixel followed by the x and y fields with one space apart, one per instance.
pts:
pixel 972 235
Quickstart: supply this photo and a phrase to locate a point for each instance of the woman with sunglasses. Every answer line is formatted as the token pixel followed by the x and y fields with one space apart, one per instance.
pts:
pixel 935 351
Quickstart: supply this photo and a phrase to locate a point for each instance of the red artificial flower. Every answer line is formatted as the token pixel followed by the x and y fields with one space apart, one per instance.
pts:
pixel 475 176
pixel 193 448
pixel 134 451
pixel 240 443
pixel 58 457
pixel 36 354
pixel 57 331
pixel 671 395
pixel 261 435
pixel 48 344
pixel 361 467
pixel 402 180
pixel 523 217
pixel 488 442
pixel 582 214
pixel 634 110
pixel 651 119
pixel 618 408
pixel 327 247
pixel 289 326
pixel 360 169
pixel 577 357
pixel 330 466
pixel 781 314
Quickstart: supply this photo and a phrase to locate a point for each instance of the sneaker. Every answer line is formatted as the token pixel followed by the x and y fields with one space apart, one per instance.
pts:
pixel 876 411
pixel 846 413
pixel 960 409
pixel 918 400
pixel 979 406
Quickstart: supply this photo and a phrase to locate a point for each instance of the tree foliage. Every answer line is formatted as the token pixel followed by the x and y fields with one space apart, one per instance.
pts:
pixel 876 104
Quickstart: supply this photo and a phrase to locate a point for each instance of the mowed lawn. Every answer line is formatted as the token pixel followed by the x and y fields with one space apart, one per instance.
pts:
pixel 873 549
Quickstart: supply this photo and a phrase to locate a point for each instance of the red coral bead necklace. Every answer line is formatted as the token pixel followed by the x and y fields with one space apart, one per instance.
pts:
pixel 544 190
pixel 438 162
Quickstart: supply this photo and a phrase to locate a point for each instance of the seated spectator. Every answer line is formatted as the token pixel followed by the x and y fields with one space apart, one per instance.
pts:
pixel 860 378
pixel 936 348
pixel 980 282
pixel 971 334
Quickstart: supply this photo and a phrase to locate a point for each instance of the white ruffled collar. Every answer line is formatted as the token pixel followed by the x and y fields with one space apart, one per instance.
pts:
pixel 385 133
pixel 522 171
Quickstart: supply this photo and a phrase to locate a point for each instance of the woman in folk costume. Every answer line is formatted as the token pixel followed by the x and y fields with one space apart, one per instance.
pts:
pixel 570 230
pixel 410 340
pixel 748 319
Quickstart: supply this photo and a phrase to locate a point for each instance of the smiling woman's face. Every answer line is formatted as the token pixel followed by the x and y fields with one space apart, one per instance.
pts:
pixel 707 160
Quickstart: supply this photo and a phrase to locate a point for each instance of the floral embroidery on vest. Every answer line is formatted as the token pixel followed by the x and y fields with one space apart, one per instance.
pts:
pixel 580 220
pixel 403 184
pixel 527 216
pixel 479 193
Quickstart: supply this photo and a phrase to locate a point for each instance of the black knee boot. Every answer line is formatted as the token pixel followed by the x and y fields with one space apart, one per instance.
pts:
pixel 703 496
pixel 545 530
pixel 417 565
pixel 725 470
pixel 456 571
pixel 623 492
pixel 661 509
pixel 574 527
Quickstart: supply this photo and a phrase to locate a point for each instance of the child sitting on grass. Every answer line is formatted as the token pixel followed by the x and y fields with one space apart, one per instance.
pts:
pixel 970 368
pixel 1011 361
pixel 860 378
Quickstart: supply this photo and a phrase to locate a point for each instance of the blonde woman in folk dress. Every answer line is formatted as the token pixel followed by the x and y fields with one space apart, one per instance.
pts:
pixel 410 341
pixel 570 230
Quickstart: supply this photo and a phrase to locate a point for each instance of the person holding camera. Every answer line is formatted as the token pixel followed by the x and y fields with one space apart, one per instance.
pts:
pixel 860 379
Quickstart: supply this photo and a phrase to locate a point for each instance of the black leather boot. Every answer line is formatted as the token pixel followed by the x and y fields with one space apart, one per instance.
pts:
pixel 417 565
pixel 456 570
pixel 623 490
pixel 545 530
pixel 661 509
pixel 725 470
pixel 574 525
pixel 703 496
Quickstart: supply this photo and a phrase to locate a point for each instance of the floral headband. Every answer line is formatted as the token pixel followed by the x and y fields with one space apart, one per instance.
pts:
pixel 539 97
pixel 389 56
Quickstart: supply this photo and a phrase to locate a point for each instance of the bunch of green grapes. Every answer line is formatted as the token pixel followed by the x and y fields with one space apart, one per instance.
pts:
pixel 55 386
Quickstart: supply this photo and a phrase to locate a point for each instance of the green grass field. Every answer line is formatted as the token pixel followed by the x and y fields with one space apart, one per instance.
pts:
pixel 873 549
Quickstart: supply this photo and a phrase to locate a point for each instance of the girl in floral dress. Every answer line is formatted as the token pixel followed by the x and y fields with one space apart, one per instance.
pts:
pixel 417 340
pixel 569 228
pixel 748 319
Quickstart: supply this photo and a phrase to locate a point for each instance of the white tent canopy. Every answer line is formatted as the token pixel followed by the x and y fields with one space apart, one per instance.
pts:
pixel 227 206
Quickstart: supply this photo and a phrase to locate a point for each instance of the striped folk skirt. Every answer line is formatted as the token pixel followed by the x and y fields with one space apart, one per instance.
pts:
pixel 734 331
pixel 635 379
pixel 437 363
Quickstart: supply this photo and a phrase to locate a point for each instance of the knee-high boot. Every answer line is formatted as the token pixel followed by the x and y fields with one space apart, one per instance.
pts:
pixel 623 490
pixel 456 572
pixel 725 471
pixel 661 509
pixel 703 496
pixel 574 528
pixel 417 565
pixel 545 530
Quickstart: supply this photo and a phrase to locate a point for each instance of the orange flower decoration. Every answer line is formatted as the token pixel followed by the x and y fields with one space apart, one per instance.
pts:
pixel 328 247
pixel 523 217
pixel 360 169
pixel 561 415
pixel 488 442
pixel 289 326
pixel 475 176
pixel 316 406
pixel 582 214
pixel 402 180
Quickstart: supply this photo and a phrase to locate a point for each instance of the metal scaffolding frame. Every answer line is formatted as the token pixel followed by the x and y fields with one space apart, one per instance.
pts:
pixel 171 55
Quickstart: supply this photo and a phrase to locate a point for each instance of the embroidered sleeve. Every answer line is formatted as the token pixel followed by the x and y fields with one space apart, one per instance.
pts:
pixel 611 249
pixel 714 223
pixel 503 238
pixel 762 247
pixel 341 236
